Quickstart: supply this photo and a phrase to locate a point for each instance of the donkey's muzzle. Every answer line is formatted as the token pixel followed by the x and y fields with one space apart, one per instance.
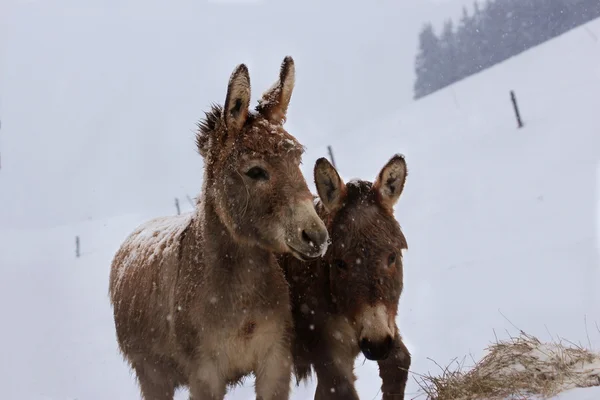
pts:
pixel 308 237
pixel 315 239
pixel 311 244
pixel 376 350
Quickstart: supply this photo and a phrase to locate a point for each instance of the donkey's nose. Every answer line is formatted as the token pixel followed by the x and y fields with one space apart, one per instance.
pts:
pixel 315 238
pixel 376 350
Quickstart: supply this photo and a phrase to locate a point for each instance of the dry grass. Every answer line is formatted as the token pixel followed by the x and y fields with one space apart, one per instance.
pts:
pixel 519 368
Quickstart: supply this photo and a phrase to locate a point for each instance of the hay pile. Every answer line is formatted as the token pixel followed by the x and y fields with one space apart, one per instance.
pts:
pixel 519 368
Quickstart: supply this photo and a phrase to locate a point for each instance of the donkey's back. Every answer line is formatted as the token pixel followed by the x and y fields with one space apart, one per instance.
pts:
pixel 142 284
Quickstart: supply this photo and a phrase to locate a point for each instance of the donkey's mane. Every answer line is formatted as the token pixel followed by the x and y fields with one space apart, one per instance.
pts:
pixel 206 126
pixel 276 143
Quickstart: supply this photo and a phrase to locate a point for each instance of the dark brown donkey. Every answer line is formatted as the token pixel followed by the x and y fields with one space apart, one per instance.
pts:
pixel 347 301
pixel 199 300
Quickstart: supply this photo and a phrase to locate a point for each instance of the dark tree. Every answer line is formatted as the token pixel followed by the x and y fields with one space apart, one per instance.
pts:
pixel 468 44
pixel 449 54
pixel 427 65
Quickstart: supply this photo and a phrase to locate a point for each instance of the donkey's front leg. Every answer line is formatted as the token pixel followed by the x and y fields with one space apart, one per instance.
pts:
pixel 394 371
pixel 274 373
pixel 335 380
pixel 207 384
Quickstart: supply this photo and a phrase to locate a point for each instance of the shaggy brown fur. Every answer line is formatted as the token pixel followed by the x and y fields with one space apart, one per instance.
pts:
pixel 347 301
pixel 199 299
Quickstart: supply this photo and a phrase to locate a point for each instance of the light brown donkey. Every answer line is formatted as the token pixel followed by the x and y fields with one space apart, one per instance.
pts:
pixel 199 300
pixel 347 301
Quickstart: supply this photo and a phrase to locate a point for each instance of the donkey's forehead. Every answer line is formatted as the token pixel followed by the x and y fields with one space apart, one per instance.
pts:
pixel 359 192
pixel 362 223
pixel 262 136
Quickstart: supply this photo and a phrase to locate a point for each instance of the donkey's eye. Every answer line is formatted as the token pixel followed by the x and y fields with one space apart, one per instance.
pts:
pixel 340 264
pixel 258 173
pixel 392 259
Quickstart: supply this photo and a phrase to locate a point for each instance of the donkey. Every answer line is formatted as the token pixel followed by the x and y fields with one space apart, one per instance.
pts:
pixel 199 300
pixel 347 301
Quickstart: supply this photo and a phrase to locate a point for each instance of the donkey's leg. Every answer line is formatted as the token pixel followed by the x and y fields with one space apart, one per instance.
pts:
pixel 335 380
pixel 394 371
pixel 274 373
pixel 155 381
pixel 207 383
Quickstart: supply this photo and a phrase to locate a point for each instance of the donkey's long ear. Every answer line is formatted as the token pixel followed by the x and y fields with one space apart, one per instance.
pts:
pixel 331 188
pixel 274 102
pixel 390 181
pixel 237 101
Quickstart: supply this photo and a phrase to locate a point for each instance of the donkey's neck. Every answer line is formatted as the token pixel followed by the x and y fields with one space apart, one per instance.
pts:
pixel 223 251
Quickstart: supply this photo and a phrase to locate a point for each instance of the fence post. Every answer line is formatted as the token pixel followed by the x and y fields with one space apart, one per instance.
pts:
pixel 177 206
pixel 331 156
pixel 516 107
pixel 77 252
pixel 190 201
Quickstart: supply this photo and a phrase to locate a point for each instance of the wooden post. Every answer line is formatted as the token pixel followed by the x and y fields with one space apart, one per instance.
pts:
pixel 516 107
pixel 77 251
pixel 190 201
pixel 177 206
pixel 331 156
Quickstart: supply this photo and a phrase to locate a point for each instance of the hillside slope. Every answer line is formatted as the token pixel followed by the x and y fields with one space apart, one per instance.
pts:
pixel 500 222
pixel 502 227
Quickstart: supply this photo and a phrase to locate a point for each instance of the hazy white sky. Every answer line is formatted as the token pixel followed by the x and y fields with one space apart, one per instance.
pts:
pixel 88 83
pixel 347 48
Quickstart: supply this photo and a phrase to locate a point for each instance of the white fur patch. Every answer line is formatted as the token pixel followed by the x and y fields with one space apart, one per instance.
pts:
pixel 375 323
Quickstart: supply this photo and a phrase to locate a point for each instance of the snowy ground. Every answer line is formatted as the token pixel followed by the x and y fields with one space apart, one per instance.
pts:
pixel 502 225
pixel 580 394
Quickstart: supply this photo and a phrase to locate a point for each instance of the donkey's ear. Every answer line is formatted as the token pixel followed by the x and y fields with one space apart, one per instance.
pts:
pixel 237 101
pixel 274 102
pixel 331 188
pixel 390 181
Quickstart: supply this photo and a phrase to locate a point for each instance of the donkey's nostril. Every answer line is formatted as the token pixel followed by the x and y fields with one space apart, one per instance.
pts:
pixel 306 237
pixel 316 238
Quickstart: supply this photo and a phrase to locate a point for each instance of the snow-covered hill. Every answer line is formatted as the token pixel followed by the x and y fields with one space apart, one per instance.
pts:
pixel 503 227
